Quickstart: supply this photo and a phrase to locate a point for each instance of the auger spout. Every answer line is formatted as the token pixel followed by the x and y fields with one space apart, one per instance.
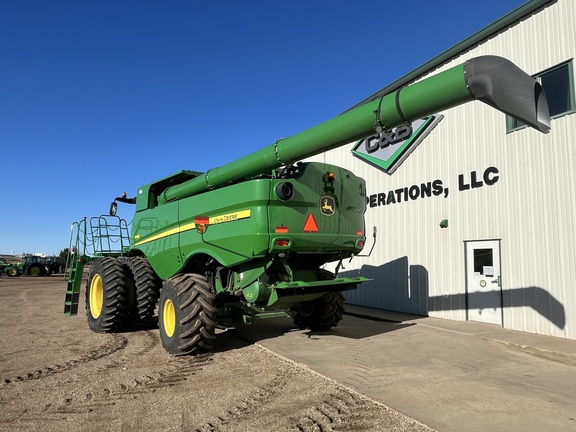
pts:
pixel 493 80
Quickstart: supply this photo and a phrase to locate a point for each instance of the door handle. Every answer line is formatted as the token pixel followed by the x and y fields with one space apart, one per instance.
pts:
pixel 497 280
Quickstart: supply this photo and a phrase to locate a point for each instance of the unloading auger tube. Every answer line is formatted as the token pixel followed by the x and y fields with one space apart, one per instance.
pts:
pixel 493 80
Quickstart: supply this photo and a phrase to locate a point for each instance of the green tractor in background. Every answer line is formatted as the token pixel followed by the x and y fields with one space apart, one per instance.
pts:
pixel 15 269
pixel 249 240
pixel 55 264
pixel 12 269
pixel 36 266
pixel 32 266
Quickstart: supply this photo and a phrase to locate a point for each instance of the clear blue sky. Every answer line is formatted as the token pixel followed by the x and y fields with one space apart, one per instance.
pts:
pixel 99 97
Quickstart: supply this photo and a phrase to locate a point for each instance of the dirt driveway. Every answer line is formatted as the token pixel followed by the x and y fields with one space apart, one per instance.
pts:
pixel 55 374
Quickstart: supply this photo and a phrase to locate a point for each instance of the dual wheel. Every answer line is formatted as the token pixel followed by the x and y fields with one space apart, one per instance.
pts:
pixel 123 293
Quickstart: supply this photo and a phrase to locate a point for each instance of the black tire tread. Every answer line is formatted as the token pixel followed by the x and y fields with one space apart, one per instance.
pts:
pixel 115 308
pixel 147 290
pixel 36 270
pixel 196 322
pixel 327 311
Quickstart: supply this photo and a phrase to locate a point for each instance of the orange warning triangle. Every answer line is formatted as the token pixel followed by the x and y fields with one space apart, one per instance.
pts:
pixel 310 225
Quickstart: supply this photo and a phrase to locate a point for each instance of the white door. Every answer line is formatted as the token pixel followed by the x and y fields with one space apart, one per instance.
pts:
pixel 484 290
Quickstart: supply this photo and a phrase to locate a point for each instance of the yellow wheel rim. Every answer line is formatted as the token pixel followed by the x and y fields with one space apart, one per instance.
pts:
pixel 169 318
pixel 96 296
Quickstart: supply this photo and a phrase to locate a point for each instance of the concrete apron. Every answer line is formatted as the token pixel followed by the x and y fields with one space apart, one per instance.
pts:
pixel 450 375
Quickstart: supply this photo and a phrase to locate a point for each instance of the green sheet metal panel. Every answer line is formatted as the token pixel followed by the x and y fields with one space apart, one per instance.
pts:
pixel 336 208
pixel 237 228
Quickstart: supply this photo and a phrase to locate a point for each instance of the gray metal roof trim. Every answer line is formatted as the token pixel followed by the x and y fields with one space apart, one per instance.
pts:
pixel 506 21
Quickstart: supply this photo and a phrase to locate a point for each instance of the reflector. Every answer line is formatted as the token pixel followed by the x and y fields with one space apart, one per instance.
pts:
pixel 204 220
pixel 310 225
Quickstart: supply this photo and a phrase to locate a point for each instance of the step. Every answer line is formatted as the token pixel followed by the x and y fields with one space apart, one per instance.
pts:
pixel 71 303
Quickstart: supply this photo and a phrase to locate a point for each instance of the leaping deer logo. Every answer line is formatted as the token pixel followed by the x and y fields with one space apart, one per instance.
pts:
pixel 327 206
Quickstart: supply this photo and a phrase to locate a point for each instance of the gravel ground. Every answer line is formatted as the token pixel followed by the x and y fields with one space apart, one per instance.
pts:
pixel 55 374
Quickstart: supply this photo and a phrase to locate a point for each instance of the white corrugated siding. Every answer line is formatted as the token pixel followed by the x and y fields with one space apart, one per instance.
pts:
pixel 419 267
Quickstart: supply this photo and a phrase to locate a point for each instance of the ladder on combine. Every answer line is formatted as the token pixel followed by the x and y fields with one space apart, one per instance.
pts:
pixel 89 240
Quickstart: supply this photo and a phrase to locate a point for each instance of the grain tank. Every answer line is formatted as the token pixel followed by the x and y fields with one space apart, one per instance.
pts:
pixel 250 239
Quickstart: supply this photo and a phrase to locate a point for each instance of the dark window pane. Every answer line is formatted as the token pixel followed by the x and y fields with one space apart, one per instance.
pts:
pixel 482 258
pixel 516 124
pixel 556 85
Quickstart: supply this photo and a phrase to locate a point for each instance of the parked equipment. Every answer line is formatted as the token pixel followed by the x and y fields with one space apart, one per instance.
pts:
pixel 31 266
pixel 6 267
pixel 250 239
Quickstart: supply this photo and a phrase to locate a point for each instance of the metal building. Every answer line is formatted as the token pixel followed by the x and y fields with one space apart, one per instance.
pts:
pixel 479 222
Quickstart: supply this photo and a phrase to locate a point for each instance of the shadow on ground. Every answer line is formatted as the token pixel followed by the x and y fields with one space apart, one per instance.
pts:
pixel 351 327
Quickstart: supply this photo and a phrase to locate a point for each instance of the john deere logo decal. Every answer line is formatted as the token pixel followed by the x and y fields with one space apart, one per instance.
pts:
pixel 390 148
pixel 327 205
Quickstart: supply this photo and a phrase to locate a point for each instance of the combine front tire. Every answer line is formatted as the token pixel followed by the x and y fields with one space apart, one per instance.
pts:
pixel 187 316
pixel 107 296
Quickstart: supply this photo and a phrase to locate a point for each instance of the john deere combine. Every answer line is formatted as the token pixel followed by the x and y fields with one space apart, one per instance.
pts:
pixel 249 240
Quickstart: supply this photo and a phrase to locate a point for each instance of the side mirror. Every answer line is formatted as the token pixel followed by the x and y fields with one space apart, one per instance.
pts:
pixel 113 208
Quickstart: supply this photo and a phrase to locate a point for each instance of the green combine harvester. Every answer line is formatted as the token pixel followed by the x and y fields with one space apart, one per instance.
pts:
pixel 250 239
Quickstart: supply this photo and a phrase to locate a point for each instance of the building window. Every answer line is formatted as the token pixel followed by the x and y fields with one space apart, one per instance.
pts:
pixel 483 262
pixel 558 84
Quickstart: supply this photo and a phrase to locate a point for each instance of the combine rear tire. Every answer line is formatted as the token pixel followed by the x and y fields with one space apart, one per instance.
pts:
pixel 107 296
pixel 187 316
pixel 147 290
pixel 321 314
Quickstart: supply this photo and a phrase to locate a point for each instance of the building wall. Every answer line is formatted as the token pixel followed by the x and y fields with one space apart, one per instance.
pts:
pixel 419 267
